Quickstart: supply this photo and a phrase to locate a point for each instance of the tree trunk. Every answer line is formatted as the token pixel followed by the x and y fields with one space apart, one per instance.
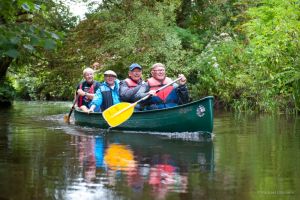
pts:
pixel 184 14
pixel 4 64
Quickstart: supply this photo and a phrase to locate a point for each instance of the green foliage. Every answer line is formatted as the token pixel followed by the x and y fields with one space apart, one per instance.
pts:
pixel 7 91
pixel 28 33
pixel 273 30
pixel 116 37
pixel 219 70
pixel 145 36
pixel 18 35
pixel 245 53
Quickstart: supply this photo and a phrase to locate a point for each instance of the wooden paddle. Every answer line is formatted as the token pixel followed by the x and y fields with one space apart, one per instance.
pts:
pixel 119 113
pixel 67 117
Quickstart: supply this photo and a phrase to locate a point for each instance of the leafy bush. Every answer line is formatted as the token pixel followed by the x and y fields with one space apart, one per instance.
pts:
pixel 7 92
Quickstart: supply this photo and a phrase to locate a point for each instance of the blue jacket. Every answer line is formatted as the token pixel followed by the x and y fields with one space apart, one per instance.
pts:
pixel 106 96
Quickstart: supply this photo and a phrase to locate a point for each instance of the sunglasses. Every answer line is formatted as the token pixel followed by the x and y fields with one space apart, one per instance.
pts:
pixel 158 70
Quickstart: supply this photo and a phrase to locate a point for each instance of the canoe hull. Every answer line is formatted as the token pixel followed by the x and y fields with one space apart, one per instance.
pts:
pixel 191 117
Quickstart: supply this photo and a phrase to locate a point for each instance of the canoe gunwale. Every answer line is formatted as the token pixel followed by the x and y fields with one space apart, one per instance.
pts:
pixel 194 116
pixel 157 110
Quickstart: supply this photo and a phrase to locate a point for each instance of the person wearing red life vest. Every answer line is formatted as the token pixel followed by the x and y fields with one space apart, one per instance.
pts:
pixel 130 86
pixel 169 97
pixel 86 89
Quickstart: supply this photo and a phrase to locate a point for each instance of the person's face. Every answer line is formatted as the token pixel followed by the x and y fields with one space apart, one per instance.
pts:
pixel 158 73
pixel 110 79
pixel 89 77
pixel 135 74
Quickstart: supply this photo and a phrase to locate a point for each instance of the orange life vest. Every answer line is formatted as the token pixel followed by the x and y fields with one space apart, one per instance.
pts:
pixel 131 83
pixel 155 84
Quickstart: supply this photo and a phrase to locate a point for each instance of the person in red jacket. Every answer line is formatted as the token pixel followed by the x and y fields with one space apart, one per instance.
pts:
pixel 171 96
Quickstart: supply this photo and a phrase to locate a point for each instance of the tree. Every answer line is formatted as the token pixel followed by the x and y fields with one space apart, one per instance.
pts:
pixel 19 36
pixel 122 32
pixel 273 29
pixel 30 31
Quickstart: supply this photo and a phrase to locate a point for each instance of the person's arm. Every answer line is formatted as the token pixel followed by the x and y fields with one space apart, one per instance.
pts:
pixel 142 92
pixel 183 79
pixel 183 94
pixel 126 93
pixel 80 92
pixel 96 102
pixel 182 90
pixel 91 95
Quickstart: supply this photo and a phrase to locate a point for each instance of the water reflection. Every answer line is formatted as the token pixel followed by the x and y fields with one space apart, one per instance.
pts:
pixel 86 157
pixel 41 157
pixel 143 164
pixel 119 157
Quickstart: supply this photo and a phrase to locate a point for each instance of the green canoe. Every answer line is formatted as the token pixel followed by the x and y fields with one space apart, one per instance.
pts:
pixel 191 117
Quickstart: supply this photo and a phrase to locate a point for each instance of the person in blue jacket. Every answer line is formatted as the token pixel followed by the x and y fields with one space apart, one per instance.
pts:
pixel 107 94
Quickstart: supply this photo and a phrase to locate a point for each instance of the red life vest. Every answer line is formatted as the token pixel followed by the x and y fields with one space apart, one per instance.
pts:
pixel 91 90
pixel 155 84
pixel 131 83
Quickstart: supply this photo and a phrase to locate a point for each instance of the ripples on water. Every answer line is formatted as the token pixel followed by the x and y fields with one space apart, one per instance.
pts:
pixel 138 161
pixel 41 157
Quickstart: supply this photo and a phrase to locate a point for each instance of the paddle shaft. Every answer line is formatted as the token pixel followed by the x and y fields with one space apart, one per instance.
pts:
pixel 145 97
pixel 156 91
pixel 73 106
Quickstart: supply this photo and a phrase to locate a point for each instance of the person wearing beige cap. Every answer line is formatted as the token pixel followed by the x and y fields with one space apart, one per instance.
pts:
pixel 86 89
pixel 107 94
pixel 169 97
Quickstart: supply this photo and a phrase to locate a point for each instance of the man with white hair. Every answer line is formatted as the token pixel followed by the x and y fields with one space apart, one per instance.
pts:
pixel 86 89
pixel 107 94
pixel 171 96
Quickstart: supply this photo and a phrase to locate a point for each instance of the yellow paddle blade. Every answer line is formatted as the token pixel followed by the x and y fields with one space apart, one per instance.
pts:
pixel 118 113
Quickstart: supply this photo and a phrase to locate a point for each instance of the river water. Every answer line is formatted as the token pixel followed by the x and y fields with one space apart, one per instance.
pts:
pixel 248 157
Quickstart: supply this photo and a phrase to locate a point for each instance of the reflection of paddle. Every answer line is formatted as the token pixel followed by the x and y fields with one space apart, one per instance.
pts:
pixel 67 117
pixel 119 157
pixel 119 113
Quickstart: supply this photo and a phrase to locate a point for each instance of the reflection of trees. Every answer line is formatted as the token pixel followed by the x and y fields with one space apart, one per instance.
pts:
pixel 38 163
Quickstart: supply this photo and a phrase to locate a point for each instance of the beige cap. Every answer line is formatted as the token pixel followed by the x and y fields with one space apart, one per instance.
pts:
pixel 110 72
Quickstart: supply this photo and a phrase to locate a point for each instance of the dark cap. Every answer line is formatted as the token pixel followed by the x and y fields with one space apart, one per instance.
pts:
pixel 133 66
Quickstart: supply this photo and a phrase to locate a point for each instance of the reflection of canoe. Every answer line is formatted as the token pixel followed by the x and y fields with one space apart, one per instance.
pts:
pixel 191 117
pixel 153 149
